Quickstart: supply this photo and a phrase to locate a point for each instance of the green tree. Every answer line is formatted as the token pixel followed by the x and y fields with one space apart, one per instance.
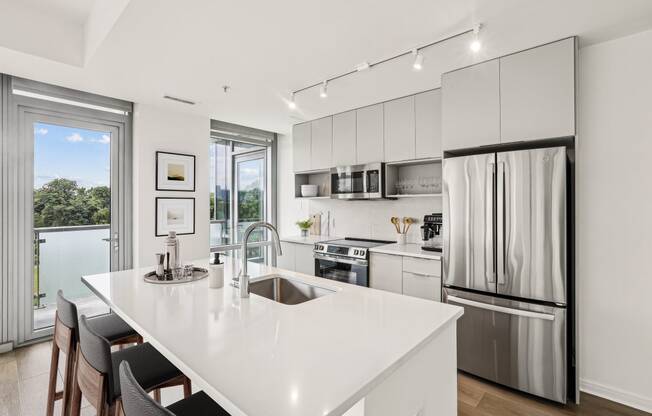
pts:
pixel 61 202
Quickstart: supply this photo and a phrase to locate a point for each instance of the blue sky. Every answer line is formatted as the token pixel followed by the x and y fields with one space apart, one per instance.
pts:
pixel 71 153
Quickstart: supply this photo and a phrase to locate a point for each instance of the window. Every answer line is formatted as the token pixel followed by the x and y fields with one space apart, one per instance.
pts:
pixel 241 190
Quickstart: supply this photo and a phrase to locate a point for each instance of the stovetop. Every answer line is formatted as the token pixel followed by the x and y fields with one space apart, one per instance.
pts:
pixel 348 247
pixel 358 242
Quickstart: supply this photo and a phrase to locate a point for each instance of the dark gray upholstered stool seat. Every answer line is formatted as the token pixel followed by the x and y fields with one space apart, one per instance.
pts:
pixel 110 326
pixel 136 402
pixel 98 372
pixel 149 367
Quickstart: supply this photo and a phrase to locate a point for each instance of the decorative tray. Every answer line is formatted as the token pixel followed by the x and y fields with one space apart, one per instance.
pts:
pixel 178 276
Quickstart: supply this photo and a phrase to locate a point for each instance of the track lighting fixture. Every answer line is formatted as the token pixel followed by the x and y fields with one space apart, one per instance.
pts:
pixel 476 45
pixel 292 104
pixel 323 92
pixel 417 64
pixel 418 60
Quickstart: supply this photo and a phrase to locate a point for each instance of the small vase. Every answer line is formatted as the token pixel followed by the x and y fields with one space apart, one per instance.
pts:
pixel 304 233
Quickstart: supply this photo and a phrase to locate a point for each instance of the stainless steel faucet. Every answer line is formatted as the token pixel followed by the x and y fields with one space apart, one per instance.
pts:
pixel 242 281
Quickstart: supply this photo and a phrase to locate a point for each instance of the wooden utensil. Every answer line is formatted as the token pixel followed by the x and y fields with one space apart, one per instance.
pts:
pixel 407 222
pixel 396 223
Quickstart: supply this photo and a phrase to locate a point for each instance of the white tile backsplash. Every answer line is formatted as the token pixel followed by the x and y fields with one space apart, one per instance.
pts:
pixel 370 219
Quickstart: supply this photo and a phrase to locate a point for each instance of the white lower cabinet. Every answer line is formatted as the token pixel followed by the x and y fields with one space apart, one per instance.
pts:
pixel 422 286
pixel 410 276
pixel 304 262
pixel 286 261
pixel 386 272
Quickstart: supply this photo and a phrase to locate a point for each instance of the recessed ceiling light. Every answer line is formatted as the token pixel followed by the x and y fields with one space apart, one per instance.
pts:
pixel 291 104
pixel 323 92
pixel 418 60
pixel 476 45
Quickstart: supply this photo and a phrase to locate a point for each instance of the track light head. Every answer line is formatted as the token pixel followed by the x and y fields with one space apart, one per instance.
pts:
pixel 323 91
pixel 292 104
pixel 476 45
pixel 418 60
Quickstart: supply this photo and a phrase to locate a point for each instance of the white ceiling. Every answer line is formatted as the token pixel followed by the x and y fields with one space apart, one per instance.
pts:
pixel 265 49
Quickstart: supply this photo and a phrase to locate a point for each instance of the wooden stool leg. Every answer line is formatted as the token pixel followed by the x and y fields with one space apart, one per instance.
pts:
pixel 75 406
pixel 157 395
pixel 68 380
pixel 52 387
pixel 187 387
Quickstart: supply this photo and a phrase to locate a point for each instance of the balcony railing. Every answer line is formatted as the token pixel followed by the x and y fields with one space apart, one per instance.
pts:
pixel 62 255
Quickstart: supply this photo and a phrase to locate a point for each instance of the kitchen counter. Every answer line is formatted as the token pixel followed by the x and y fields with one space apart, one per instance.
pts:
pixel 410 250
pixel 357 348
pixel 310 240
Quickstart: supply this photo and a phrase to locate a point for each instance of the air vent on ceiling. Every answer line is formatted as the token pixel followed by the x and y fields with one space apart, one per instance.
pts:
pixel 180 100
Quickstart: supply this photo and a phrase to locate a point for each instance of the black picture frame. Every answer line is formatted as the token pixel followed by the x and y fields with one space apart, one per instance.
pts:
pixel 156 216
pixel 160 187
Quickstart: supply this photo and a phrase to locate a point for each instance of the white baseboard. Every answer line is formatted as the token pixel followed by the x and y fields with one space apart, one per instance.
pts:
pixel 617 395
pixel 6 347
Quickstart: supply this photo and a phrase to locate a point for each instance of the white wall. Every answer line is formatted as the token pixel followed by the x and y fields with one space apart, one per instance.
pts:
pixel 289 209
pixel 158 129
pixel 614 219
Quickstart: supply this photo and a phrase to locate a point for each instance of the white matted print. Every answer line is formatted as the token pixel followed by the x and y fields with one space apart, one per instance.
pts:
pixel 175 172
pixel 175 214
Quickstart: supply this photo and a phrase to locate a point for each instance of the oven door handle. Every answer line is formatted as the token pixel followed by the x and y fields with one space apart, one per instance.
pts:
pixel 341 260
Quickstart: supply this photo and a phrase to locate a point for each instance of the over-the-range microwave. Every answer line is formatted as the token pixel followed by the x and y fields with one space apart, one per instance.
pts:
pixel 358 181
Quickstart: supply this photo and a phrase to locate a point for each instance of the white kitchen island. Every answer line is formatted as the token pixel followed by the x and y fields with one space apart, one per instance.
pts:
pixel 356 351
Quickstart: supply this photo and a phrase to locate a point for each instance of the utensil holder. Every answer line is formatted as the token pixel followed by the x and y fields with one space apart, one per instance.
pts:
pixel 401 239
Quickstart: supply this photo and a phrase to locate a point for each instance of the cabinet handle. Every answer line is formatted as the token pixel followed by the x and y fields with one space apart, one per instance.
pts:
pixel 423 274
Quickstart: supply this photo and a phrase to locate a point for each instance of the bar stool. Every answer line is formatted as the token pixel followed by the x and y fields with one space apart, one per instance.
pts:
pixel 98 374
pixel 136 401
pixel 66 339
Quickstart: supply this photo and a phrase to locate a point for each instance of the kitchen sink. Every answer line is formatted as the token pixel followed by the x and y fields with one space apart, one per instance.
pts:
pixel 287 291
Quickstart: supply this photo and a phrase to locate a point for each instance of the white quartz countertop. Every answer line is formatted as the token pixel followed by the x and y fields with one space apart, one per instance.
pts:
pixel 257 357
pixel 410 250
pixel 310 240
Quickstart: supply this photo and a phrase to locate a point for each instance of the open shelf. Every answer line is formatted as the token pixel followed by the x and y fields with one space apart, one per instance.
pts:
pixel 417 178
pixel 321 178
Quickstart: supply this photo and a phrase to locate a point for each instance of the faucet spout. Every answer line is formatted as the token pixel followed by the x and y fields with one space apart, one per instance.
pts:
pixel 243 280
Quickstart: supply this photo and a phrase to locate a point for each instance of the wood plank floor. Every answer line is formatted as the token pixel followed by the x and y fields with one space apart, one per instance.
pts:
pixel 24 378
pixel 477 397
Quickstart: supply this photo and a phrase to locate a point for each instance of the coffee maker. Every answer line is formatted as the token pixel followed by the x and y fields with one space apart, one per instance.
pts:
pixel 431 232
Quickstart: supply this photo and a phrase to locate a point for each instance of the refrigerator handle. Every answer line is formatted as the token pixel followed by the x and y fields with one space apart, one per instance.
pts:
pixel 501 223
pixel 492 276
pixel 502 309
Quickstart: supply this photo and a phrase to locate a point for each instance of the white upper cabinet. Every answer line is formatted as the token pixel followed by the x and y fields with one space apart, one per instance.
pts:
pixel 301 147
pixel 537 92
pixel 369 128
pixel 322 142
pixel 399 129
pixel 471 106
pixel 427 107
pixel 344 141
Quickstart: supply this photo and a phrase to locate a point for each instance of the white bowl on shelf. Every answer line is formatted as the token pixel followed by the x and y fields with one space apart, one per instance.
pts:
pixel 308 191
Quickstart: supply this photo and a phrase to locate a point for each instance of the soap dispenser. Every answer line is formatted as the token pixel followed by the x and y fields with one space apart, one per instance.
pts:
pixel 216 272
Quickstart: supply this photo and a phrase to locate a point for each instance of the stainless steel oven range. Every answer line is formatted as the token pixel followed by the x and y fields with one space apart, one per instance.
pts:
pixel 345 260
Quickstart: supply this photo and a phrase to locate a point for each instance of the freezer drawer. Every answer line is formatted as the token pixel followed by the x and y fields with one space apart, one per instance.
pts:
pixel 517 344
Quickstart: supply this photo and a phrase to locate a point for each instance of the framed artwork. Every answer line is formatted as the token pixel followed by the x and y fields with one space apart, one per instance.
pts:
pixel 175 172
pixel 175 214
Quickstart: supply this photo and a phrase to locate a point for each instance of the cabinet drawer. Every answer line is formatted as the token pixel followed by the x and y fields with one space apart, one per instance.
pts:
pixel 422 266
pixel 422 286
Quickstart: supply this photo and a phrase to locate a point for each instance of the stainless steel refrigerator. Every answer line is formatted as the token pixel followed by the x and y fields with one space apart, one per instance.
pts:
pixel 505 262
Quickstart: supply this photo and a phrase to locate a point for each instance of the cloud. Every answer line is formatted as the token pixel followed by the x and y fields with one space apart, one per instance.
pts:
pixel 106 139
pixel 75 138
pixel 41 131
